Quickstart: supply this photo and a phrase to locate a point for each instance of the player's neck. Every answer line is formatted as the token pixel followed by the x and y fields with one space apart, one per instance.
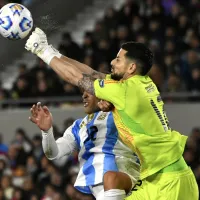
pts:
pixel 127 76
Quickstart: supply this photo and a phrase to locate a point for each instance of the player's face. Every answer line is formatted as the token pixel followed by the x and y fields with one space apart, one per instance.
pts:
pixel 121 66
pixel 90 103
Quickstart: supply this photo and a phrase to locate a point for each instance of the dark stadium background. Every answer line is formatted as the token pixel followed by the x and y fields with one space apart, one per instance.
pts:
pixel 171 28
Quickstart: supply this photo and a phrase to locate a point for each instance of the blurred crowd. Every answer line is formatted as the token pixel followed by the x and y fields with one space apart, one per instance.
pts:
pixel 192 151
pixel 171 28
pixel 26 174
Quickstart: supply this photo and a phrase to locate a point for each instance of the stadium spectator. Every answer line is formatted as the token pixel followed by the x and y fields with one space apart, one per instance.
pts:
pixel 68 47
pixel 169 27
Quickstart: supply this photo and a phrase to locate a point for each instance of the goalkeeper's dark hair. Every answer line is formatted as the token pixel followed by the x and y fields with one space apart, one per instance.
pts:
pixel 141 54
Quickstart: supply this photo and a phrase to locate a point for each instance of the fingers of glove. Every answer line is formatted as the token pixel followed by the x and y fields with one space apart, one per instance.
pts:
pixel 37 39
pixel 28 44
pixel 30 47
pixel 31 39
pixel 34 38
pixel 32 43
pixel 41 34
pixel 39 31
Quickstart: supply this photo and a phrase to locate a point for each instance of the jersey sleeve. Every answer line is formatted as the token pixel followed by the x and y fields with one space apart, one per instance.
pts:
pixel 70 140
pixel 66 144
pixel 111 90
pixel 62 146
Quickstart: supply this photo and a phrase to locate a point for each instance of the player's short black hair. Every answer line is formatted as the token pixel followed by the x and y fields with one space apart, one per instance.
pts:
pixel 141 53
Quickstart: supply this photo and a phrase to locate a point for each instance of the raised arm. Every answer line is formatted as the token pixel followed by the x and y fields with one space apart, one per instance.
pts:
pixel 73 75
pixel 70 70
pixel 38 44
pixel 53 149
pixel 83 68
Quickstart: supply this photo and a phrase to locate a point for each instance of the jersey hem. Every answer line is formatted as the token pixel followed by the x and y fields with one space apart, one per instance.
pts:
pixel 158 169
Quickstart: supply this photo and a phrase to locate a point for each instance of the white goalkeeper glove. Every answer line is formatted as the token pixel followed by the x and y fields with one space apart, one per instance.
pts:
pixel 37 44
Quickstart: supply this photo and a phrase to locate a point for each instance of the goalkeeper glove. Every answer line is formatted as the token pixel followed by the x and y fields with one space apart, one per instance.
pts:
pixel 37 44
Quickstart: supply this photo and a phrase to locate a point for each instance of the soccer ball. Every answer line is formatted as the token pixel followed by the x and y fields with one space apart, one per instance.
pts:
pixel 15 21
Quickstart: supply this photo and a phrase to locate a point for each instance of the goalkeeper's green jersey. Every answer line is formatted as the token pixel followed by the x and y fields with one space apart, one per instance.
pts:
pixel 141 121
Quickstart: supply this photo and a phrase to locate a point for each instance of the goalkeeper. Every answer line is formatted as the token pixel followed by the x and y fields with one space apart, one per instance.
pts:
pixel 138 114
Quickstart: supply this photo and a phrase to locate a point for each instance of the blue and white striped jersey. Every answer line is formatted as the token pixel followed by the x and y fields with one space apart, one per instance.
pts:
pixel 100 150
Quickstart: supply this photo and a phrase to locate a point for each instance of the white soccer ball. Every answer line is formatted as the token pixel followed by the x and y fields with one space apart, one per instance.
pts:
pixel 15 21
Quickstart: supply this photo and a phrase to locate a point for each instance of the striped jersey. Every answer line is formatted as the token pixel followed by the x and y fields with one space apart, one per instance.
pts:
pixel 100 150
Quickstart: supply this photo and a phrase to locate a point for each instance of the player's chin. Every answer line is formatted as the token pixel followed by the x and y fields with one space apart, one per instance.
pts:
pixel 112 74
pixel 87 110
pixel 115 76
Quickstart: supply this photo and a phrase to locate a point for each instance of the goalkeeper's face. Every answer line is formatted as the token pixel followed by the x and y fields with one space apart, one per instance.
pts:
pixel 90 103
pixel 121 67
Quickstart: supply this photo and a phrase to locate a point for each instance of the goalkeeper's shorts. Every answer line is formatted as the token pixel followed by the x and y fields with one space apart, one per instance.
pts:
pixel 179 185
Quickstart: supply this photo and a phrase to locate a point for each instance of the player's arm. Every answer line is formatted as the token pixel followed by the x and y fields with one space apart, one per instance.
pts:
pixel 70 70
pixel 38 44
pixel 55 149
pixel 83 68
pixel 65 145
pixel 72 75
pixel 111 91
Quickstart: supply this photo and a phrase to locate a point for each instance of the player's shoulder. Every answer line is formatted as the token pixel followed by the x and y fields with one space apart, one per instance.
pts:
pixel 108 77
pixel 104 119
pixel 102 115
pixel 140 78
pixel 77 123
pixel 140 81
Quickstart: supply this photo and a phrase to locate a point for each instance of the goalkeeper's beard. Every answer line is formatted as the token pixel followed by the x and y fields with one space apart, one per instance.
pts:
pixel 117 77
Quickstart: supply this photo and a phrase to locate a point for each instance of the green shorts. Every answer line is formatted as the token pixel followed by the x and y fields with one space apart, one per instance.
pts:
pixel 179 185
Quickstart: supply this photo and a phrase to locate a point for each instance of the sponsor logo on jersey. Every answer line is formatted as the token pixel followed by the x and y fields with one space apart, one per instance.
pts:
pixel 102 116
pixel 150 88
pixel 101 83
pixel 83 124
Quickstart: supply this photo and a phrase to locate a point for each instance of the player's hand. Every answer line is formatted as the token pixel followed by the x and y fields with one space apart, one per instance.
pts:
pixel 37 42
pixel 41 116
pixel 105 106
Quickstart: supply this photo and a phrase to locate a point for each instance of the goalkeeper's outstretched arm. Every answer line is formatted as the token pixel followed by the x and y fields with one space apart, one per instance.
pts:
pixel 83 68
pixel 70 70
pixel 73 75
